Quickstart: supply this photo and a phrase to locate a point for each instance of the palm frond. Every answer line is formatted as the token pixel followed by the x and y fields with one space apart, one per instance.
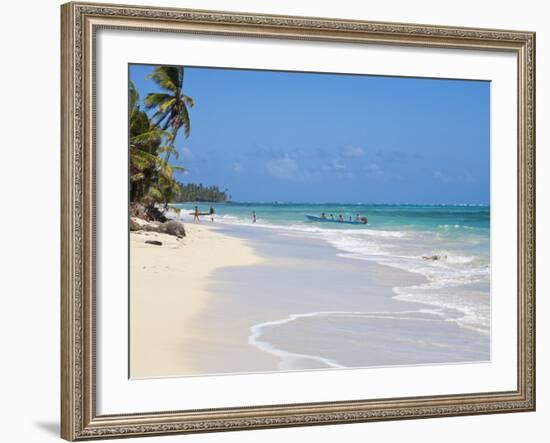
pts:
pixel 133 96
pixel 155 193
pixel 137 177
pixel 186 121
pixel 162 119
pixel 141 158
pixel 154 99
pixel 153 135
pixel 178 168
pixel 168 77
pixel 152 138
pixel 188 100
pixel 140 163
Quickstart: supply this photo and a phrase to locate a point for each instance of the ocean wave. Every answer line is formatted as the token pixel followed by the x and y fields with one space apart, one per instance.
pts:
pixel 455 227
pixel 445 278
pixel 342 339
pixel 460 259
pixel 288 360
pixel 469 315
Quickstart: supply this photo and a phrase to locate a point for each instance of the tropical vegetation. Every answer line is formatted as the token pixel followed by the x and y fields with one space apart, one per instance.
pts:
pixel 152 139
pixel 199 193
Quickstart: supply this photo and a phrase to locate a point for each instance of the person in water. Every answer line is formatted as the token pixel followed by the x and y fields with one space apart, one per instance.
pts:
pixel 331 217
pixel 357 217
pixel 340 218
pixel 212 214
pixel 196 215
pixel 253 216
pixel 323 216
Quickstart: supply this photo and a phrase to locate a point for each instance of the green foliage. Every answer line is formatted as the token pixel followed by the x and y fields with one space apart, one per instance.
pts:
pixel 171 107
pixel 151 175
pixel 200 193
pixel 152 139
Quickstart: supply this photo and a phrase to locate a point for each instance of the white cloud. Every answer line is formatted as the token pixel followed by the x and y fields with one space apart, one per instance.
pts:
pixel 463 178
pixel 337 165
pixel 374 171
pixel 354 151
pixel 237 167
pixel 438 175
pixel 284 168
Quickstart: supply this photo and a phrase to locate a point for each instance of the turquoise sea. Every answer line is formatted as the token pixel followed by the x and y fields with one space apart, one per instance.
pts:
pixel 408 237
pixel 416 217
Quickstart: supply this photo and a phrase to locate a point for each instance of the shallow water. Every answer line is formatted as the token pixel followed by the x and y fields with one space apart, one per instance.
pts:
pixel 308 321
pixel 398 236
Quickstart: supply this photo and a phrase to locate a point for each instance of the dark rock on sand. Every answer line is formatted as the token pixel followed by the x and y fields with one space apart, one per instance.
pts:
pixel 172 227
pixel 134 225
pixel 150 227
pixel 148 213
pixel 153 242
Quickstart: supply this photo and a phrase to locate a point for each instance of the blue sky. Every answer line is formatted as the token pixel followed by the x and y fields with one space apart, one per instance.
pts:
pixel 308 137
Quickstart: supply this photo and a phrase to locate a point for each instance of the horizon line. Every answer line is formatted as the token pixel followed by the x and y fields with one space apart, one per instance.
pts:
pixel 280 202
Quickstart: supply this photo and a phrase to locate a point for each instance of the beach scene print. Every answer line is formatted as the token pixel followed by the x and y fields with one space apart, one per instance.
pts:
pixel 297 221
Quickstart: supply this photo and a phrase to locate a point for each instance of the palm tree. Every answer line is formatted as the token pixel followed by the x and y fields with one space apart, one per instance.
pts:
pixel 145 141
pixel 171 105
pixel 151 176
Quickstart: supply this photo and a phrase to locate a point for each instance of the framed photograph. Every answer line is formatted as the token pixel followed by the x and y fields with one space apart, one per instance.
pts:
pixel 277 221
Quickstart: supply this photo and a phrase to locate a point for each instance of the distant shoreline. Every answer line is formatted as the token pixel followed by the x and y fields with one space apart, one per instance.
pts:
pixel 236 202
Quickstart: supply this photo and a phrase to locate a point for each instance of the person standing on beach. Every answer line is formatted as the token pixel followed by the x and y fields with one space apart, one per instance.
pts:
pixel 211 214
pixel 196 217
pixel 253 216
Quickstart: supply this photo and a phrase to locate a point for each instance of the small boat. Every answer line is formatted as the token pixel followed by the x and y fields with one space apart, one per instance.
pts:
pixel 314 218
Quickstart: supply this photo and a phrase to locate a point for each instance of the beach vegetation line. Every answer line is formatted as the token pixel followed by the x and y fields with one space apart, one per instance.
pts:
pixel 152 141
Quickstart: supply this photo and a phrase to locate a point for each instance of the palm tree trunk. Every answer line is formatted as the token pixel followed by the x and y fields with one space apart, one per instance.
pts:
pixel 175 129
pixel 170 147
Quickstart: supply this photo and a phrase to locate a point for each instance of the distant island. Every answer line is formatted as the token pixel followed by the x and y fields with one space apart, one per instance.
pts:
pixel 199 193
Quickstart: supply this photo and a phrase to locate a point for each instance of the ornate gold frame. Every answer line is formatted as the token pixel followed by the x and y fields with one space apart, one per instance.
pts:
pixel 79 22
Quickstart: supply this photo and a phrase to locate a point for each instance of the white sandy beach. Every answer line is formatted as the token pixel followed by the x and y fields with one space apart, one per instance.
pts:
pixel 168 289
